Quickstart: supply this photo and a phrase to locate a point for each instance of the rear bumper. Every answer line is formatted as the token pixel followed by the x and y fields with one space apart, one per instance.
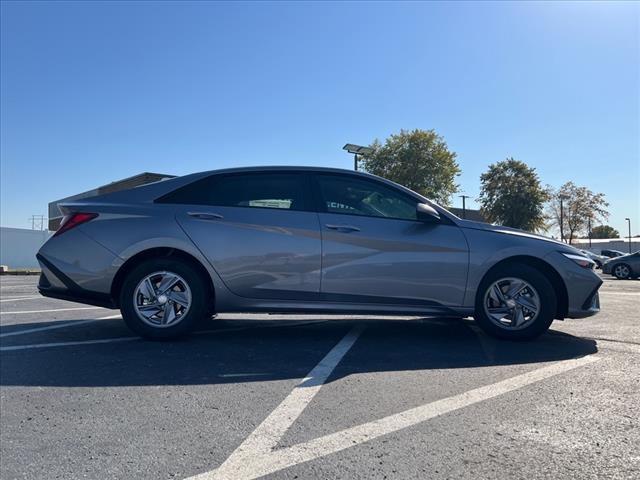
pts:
pixel 54 283
pixel 86 297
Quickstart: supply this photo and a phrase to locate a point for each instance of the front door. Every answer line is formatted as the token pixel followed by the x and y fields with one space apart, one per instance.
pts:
pixel 374 249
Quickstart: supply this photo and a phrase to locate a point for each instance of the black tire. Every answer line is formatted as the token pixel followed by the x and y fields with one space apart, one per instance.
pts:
pixel 199 306
pixel 544 288
pixel 620 273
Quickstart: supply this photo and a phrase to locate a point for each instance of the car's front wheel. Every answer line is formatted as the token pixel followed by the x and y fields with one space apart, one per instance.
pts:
pixel 515 302
pixel 622 271
pixel 163 298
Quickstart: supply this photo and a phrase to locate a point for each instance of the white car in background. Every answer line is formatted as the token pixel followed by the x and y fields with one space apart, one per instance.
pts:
pixel 599 259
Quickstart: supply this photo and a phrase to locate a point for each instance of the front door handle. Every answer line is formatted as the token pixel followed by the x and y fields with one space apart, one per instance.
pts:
pixel 206 215
pixel 343 228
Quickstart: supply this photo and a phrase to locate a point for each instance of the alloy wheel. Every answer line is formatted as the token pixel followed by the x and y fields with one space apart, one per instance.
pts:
pixel 621 271
pixel 512 303
pixel 162 299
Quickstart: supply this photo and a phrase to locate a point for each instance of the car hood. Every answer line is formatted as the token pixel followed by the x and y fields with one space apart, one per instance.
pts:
pixel 510 231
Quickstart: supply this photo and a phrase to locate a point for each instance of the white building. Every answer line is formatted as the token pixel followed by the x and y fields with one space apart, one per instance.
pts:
pixel 598 244
pixel 18 247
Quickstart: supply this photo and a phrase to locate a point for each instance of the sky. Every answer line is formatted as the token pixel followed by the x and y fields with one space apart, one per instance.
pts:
pixel 94 92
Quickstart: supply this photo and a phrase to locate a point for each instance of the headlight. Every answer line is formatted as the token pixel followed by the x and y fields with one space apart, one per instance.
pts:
pixel 584 262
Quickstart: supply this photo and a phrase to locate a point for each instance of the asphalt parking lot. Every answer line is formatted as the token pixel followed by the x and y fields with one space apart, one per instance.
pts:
pixel 316 397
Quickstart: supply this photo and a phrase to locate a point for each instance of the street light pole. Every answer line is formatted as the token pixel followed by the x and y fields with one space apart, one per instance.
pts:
pixel 357 150
pixel 464 205
pixel 629 222
pixel 589 232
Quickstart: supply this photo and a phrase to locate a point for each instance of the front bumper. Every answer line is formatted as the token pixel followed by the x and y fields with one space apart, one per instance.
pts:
pixel 581 285
pixel 581 305
pixel 590 307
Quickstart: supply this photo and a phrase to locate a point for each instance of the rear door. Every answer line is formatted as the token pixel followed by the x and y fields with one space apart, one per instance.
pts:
pixel 374 249
pixel 258 231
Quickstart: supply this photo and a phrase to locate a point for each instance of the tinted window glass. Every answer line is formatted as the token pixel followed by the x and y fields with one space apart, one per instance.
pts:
pixel 361 197
pixel 266 190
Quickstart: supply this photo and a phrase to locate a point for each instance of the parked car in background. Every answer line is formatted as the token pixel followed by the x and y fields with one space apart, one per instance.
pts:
pixel 624 267
pixel 612 253
pixel 598 259
pixel 305 240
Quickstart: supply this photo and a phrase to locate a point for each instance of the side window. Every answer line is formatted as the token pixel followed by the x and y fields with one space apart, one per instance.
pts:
pixel 341 194
pixel 256 190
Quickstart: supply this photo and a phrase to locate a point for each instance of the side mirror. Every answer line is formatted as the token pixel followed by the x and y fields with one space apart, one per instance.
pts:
pixel 426 213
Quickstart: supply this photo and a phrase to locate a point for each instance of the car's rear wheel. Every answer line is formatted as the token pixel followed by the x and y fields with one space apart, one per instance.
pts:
pixel 163 298
pixel 622 271
pixel 515 302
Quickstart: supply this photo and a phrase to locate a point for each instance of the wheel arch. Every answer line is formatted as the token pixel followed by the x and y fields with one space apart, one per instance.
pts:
pixel 160 252
pixel 562 308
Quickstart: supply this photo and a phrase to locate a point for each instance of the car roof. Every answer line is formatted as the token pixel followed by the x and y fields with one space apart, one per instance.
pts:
pixel 154 190
pixel 302 169
pixel 186 179
pixel 289 168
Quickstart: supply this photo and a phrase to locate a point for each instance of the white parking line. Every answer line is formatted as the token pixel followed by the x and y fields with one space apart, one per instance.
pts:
pixel 122 339
pixel 631 294
pixel 73 323
pixel 67 344
pixel 16 299
pixel 255 457
pixel 52 310
pixel 264 438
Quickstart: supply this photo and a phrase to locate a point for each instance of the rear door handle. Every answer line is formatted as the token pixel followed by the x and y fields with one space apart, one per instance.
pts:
pixel 206 215
pixel 343 228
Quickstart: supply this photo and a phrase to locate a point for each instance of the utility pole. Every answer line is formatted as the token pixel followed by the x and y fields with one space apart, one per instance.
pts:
pixel 561 197
pixel 37 222
pixel 561 221
pixel 464 205
pixel 589 227
pixel 629 222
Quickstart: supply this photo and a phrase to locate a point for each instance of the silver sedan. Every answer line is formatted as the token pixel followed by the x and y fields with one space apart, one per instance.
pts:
pixel 305 240
pixel 623 267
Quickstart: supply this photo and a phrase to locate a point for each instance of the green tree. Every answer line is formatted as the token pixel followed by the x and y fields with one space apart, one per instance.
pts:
pixel 511 195
pixel 579 205
pixel 604 231
pixel 417 159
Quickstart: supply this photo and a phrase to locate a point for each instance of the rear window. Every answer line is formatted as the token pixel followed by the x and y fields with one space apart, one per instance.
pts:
pixel 264 190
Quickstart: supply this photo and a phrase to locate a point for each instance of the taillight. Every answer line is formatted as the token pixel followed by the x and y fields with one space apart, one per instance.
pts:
pixel 73 220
